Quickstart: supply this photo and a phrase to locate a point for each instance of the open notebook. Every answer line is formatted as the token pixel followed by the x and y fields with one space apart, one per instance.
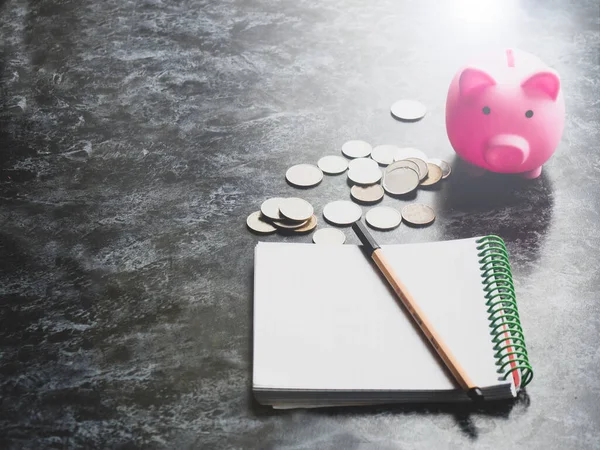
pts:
pixel 329 331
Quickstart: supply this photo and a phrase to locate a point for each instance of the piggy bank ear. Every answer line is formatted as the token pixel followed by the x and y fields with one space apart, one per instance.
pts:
pixel 545 82
pixel 473 80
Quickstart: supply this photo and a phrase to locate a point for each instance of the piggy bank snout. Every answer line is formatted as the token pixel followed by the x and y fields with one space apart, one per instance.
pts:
pixel 506 151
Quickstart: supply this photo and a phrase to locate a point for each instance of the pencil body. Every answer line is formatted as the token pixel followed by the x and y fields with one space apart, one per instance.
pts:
pixel 419 317
pixel 416 313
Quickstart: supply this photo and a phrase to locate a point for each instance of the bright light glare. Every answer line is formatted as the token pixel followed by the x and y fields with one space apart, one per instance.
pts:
pixel 484 11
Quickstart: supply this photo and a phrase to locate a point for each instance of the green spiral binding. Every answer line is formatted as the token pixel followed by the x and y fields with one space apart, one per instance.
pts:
pixel 502 309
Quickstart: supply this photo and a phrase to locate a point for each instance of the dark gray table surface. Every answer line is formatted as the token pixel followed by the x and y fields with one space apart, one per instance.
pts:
pixel 135 138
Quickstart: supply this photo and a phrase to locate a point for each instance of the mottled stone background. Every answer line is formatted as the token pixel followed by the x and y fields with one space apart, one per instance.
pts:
pixel 135 138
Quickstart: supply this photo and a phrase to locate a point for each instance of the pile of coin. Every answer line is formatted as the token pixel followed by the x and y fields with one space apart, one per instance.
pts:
pixel 284 214
pixel 372 172
pixel 405 169
pixel 412 169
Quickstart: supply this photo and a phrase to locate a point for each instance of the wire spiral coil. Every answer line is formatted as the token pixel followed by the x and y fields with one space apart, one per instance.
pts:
pixel 505 325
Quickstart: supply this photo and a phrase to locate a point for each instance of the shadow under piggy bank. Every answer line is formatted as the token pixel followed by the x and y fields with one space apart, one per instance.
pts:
pixel 516 209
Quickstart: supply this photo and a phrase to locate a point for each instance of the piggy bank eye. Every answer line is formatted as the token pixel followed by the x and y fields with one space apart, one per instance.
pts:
pixel 529 114
pixel 486 110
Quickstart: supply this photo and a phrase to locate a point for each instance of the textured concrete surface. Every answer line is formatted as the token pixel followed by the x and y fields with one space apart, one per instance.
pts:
pixel 135 138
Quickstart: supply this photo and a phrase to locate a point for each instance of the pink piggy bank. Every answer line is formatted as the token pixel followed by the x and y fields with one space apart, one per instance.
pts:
pixel 505 113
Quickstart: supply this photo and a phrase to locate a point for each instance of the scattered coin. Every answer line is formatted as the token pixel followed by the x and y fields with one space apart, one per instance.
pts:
pixel 446 169
pixel 295 209
pixel 384 154
pixel 383 218
pixel 423 167
pixel 409 152
pixel 310 225
pixel 356 149
pixel 333 164
pixel 409 110
pixel 342 212
pixel 404 168
pixel 403 163
pixel 256 224
pixel 418 214
pixel 288 224
pixel 304 175
pixel 433 176
pixel 329 236
pixel 367 194
pixel 270 208
pixel 365 177
pixel 363 164
pixel 400 181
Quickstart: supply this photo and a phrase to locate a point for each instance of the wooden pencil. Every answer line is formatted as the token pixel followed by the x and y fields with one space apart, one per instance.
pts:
pixel 376 254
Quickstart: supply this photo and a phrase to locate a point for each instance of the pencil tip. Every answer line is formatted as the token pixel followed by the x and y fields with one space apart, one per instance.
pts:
pixel 365 237
pixel 475 394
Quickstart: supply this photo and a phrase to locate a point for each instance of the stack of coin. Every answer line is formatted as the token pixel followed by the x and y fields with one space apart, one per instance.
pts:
pixel 259 224
pixel 401 177
pixel 291 215
pixel 404 175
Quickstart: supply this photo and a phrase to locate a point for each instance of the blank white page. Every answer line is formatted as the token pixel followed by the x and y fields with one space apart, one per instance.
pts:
pixel 325 319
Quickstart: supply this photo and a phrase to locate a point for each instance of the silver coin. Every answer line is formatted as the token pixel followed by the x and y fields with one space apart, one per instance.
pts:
pixel 356 149
pixel 434 175
pixel 289 224
pixel 383 218
pixel 363 164
pixel 270 208
pixel 408 110
pixel 309 225
pixel 418 214
pixel 367 194
pixel 400 181
pixel 256 224
pixel 409 152
pixel 446 169
pixel 333 164
pixel 296 209
pixel 342 212
pixel 329 236
pixel 384 154
pixel 365 177
pixel 304 175
pixel 423 167
pixel 402 163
